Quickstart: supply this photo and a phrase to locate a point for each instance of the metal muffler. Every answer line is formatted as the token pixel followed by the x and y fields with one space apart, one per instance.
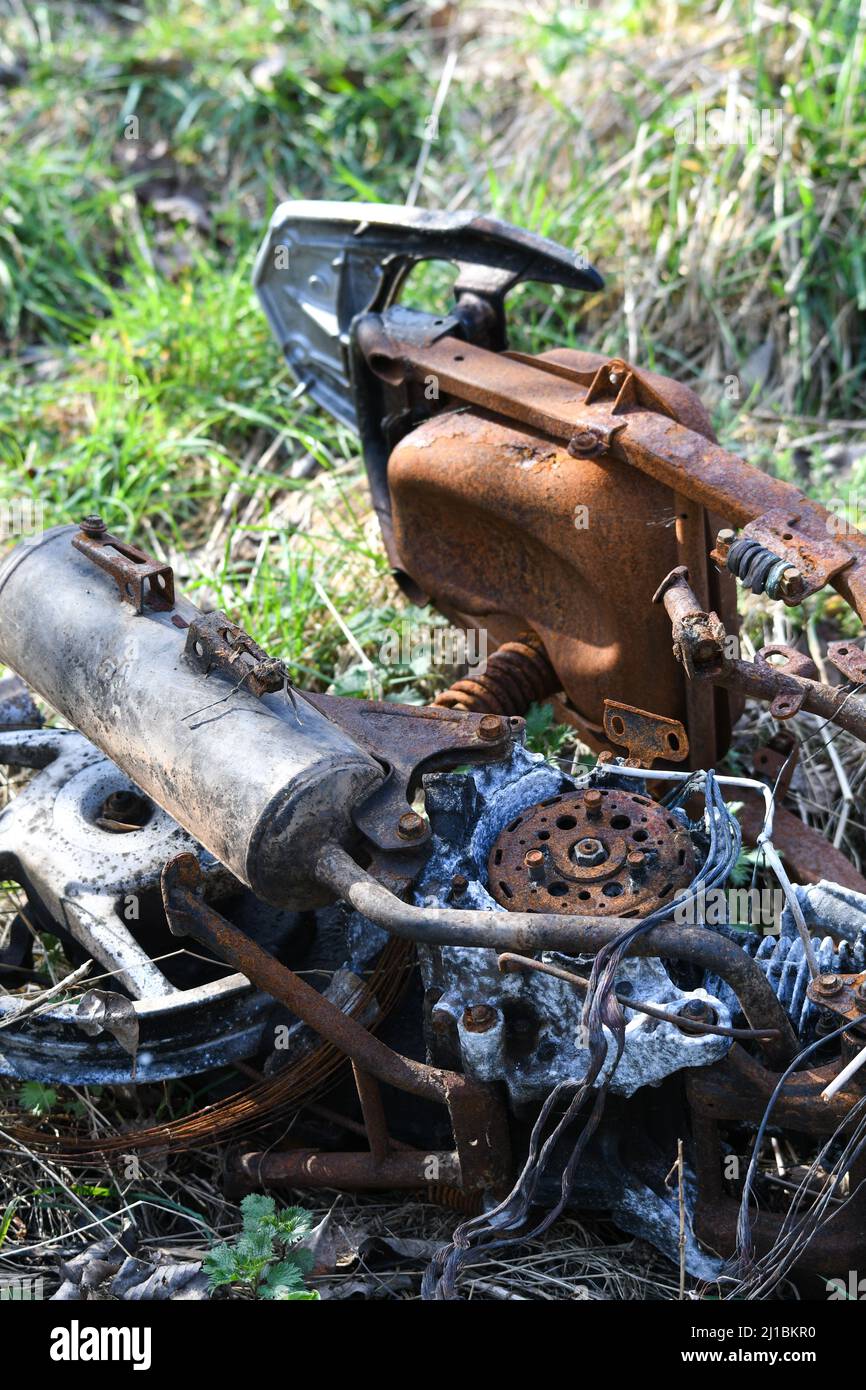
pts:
pixel 260 782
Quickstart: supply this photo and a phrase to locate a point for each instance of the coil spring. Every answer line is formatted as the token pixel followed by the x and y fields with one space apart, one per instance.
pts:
pixel 756 567
pixel 470 1203
pixel 517 675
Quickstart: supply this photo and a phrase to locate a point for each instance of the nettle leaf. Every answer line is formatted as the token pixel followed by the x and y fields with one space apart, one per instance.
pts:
pixel 285 1274
pixel 292 1224
pixel 256 1208
pixel 256 1247
pixel 221 1266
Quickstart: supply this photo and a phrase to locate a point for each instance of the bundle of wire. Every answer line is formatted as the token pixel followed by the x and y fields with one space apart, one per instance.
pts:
pixel 603 1018
pixel 749 1278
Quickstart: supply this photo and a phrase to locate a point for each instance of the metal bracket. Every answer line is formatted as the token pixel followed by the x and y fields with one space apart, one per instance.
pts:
pixel 141 581
pixel 647 736
pixel 849 659
pixel 215 643
pixel 410 740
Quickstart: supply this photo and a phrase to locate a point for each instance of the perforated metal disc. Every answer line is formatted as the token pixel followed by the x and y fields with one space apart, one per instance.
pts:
pixel 596 852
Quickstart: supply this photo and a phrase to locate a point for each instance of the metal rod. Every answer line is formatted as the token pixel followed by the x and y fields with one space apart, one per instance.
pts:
pixel 315 1168
pixel 373 1111
pixel 511 962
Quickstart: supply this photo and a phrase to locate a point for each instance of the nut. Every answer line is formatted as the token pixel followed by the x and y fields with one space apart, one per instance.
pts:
pixel 829 985
pixel 589 851
pixel 459 884
pixel 94 526
pixel 792 583
pixel 534 861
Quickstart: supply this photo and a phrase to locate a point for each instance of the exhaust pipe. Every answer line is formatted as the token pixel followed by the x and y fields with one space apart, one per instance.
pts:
pixel 261 783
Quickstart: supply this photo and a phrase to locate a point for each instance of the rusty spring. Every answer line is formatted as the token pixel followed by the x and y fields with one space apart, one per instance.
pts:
pixel 517 675
pixel 756 567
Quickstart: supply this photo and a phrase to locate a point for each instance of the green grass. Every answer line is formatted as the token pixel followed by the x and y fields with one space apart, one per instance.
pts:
pixel 139 376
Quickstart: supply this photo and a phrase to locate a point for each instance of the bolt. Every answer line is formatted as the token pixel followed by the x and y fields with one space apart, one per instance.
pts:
pixel 479 1018
pixel 534 861
pixel 726 537
pixel 592 803
pixel 637 863
pixel 491 727
pixel 585 443
pixel 459 884
pixel 410 826
pixel 792 583
pixel 94 526
pixel 829 985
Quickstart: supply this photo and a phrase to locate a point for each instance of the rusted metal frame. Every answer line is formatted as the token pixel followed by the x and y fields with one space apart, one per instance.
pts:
pixel 736 1091
pixel 477 1115
pixel 561 407
pixel 691 532
pixel 531 932
pixel 789 694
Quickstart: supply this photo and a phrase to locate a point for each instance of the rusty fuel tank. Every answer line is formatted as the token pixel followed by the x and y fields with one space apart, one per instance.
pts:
pixel 506 530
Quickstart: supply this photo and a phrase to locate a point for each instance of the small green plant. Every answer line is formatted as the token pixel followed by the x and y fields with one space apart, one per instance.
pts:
pixel 37 1099
pixel 545 736
pixel 264 1260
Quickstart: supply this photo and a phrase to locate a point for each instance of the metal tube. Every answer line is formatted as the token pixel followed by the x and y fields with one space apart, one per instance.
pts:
pixel 352 1171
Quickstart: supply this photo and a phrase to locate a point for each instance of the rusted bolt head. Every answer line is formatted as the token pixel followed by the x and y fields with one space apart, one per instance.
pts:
pixel 491 727
pixel 792 584
pixel 534 861
pixel 726 537
pixel 585 443
pixel 636 859
pixel 94 526
pixel 479 1018
pixel 592 802
pixel 828 985
pixel 459 884
pixel 410 826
